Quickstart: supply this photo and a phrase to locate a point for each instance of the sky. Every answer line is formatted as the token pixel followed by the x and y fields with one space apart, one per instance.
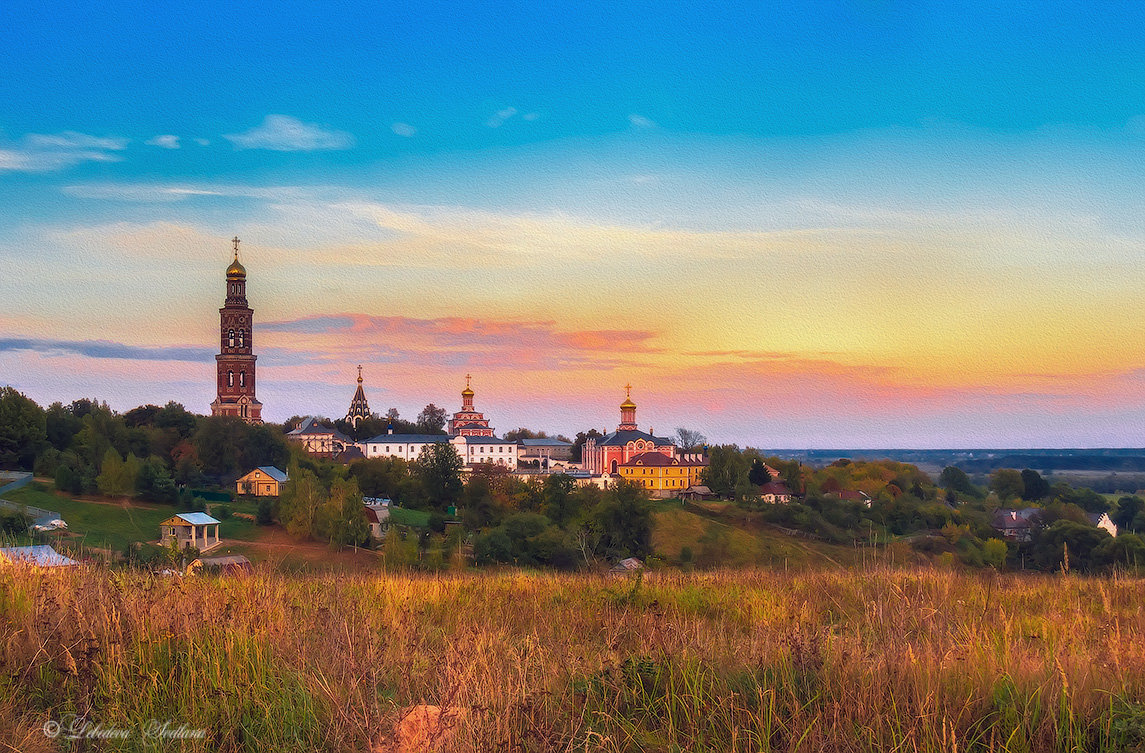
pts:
pixel 833 224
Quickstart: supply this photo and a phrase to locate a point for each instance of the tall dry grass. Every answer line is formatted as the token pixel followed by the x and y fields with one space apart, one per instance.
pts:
pixel 904 660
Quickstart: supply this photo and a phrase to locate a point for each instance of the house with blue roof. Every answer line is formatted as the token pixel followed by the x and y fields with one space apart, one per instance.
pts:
pixel 264 481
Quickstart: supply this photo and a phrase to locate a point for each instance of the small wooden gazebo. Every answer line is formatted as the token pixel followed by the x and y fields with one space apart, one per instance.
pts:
pixel 189 529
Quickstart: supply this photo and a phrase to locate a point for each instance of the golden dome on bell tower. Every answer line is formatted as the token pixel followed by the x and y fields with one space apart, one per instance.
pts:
pixel 236 269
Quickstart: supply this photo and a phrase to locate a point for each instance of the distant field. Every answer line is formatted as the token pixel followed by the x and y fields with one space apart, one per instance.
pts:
pixel 908 660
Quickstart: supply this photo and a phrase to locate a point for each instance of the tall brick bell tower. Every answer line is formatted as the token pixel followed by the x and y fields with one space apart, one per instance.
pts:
pixel 235 373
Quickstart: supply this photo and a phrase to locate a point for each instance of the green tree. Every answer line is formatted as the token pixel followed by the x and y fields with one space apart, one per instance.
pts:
pixel 624 522
pixel 1127 513
pixel 264 516
pixel 431 420
pixel 341 520
pixel 380 477
pixel 23 430
pixel 955 479
pixel 1007 483
pixel 758 474
pixel 1127 550
pixel 62 425
pixel 1079 539
pixel 1034 487
pixel 154 482
pixel 301 499
pixel 439 469
pixel 578 444
pixel 727 471
pixel 117 477
pixel 559 504
pixel 994 553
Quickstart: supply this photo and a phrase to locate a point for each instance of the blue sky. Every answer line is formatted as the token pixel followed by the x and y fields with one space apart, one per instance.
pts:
pixel 931 210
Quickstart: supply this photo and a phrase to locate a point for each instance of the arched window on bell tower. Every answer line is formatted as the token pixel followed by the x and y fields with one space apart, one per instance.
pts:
pixel 241 338
pixel 230 338
pixel 230 379
pixel 242 379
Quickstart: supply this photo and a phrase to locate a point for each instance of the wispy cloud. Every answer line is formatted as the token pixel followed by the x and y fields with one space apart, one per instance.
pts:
pixel 166 141
pixel 283 133
pixel 497 119
pixel 42 153
pixel 490 342
pixel 107 349
pixel 639 121
pixel 403 129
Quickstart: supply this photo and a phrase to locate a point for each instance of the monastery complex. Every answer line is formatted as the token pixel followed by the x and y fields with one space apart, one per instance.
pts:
pixel 628 453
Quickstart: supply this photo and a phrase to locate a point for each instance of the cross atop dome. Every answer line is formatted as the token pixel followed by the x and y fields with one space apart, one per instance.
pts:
pixel 359 373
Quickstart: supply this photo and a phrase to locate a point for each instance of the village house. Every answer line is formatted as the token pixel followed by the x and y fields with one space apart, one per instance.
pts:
pixel 377 516
pixel 317 439
pixel 190 529
pixel 264 481
pixel 697 493
pixel 1016 525
pixel 776 493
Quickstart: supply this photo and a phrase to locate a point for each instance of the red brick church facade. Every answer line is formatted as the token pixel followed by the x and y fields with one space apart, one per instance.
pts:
pixel 235 379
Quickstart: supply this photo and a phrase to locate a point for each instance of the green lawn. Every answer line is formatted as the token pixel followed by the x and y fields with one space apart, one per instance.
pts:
pixel 103 526
pixel 113 525
pixel 403 517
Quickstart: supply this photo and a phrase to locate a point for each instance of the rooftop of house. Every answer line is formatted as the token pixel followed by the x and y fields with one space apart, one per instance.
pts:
pixel 196 518
pixel 1011 518
pixel 623 437
pixel 544 442
pixel 40 556
pixel 777 488
pixel 311 427
pixel 409 438
pixel 274 473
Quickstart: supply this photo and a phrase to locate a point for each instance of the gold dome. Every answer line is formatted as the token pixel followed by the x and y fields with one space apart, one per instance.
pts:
pixel 628 404
pixel 467 392
pixel 236 269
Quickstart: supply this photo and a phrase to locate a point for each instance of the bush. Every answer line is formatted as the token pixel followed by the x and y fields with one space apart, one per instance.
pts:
pixel 222 512
pixel 264 516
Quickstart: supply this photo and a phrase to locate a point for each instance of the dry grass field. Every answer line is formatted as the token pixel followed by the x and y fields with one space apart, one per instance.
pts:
pixel 882 660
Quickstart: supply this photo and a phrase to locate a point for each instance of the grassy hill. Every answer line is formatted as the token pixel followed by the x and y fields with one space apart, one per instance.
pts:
pixel 719 534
